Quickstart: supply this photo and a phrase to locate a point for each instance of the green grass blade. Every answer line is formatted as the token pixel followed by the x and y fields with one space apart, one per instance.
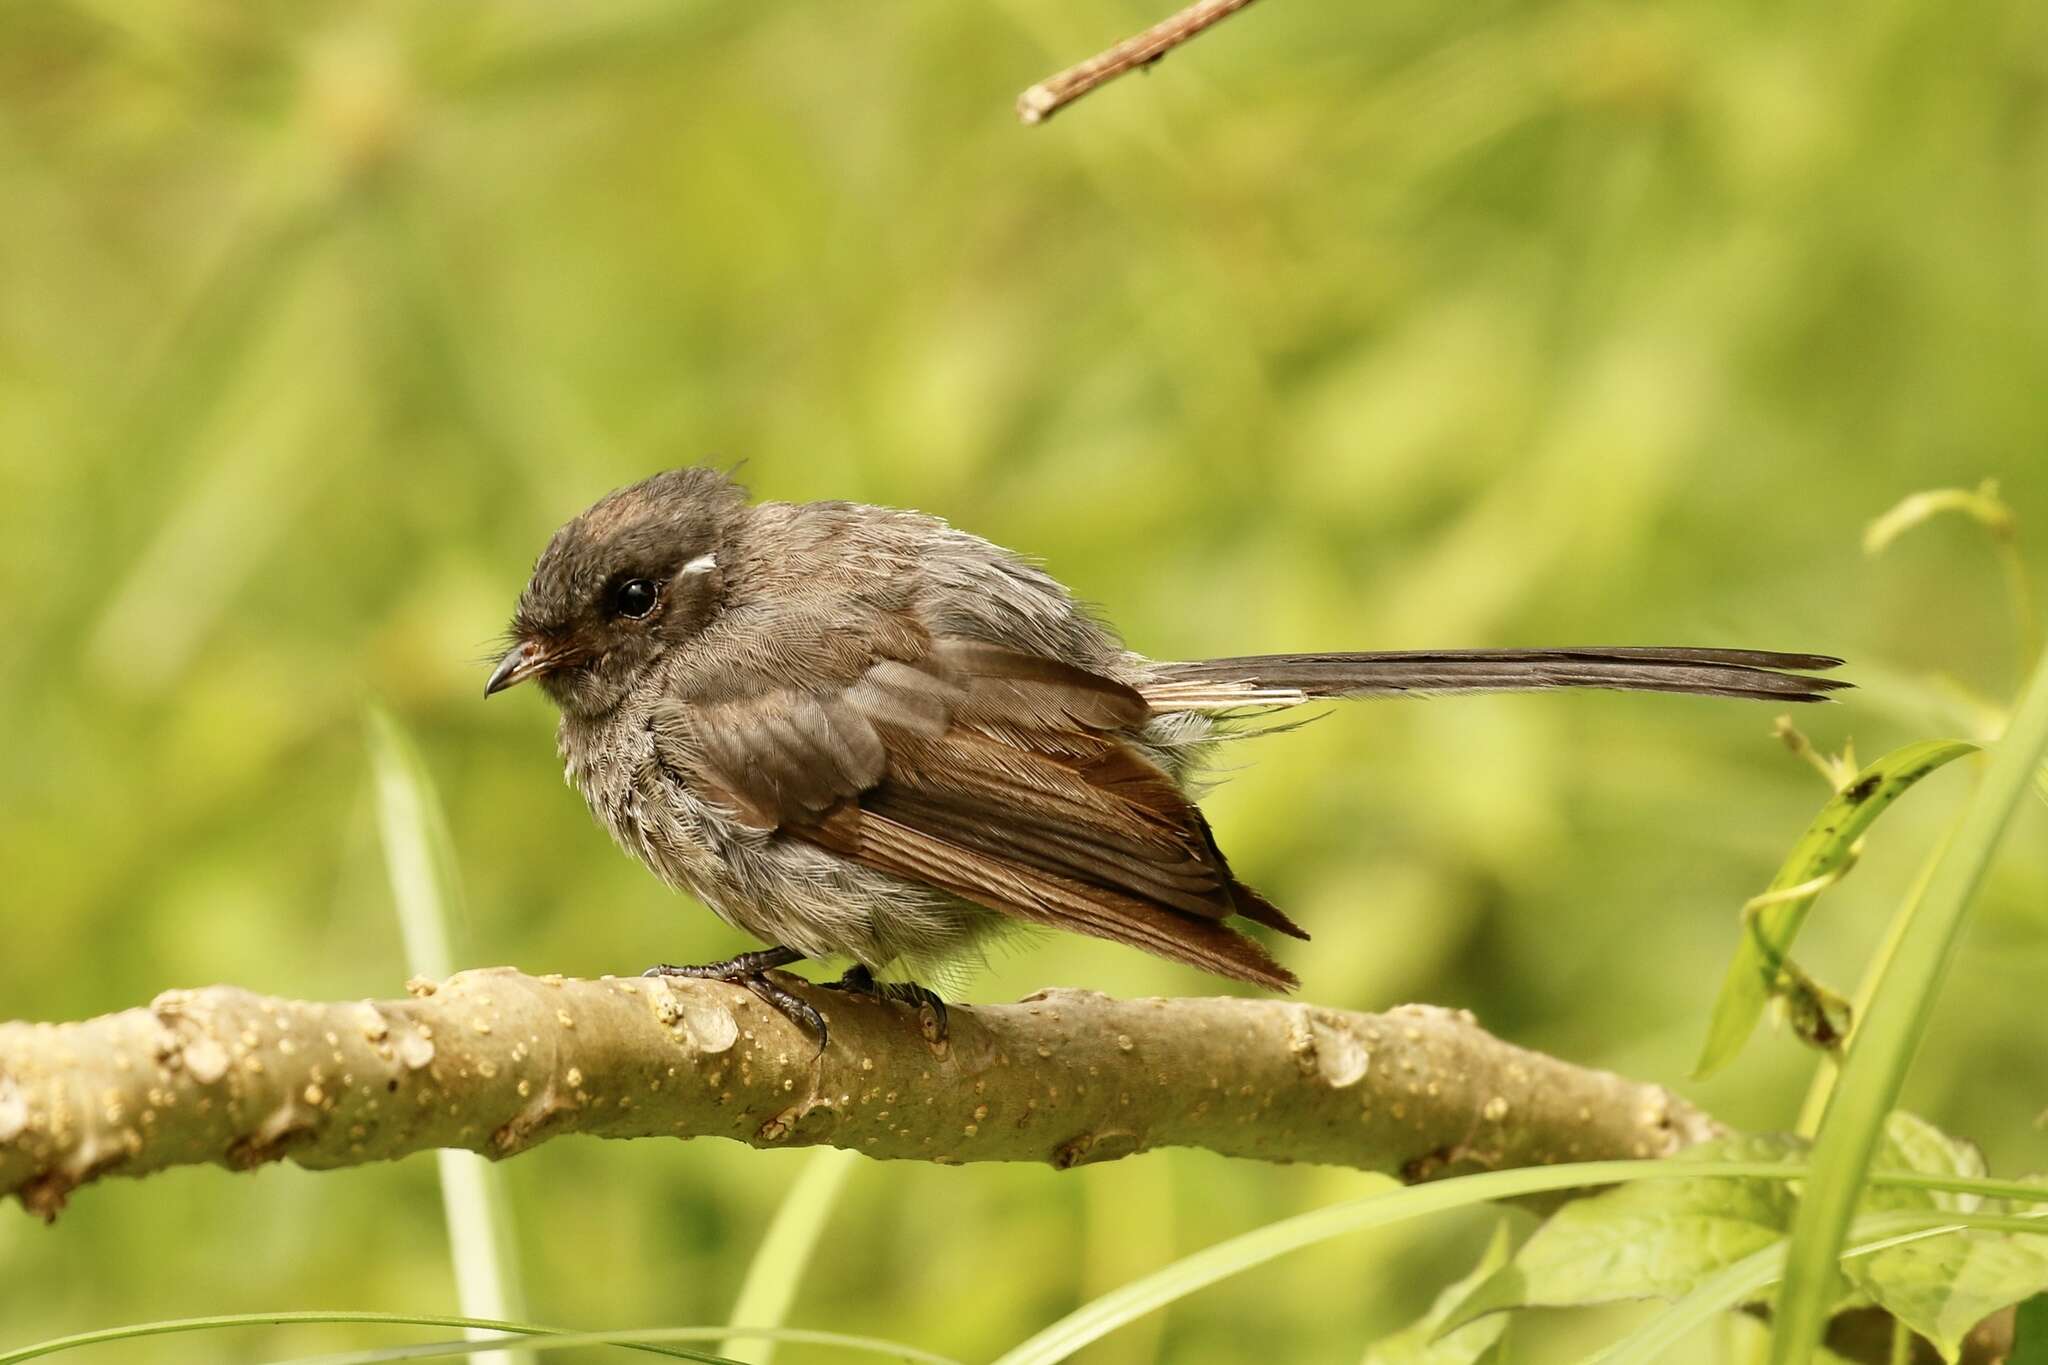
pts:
pixel 141 1331
pixel 778 1265
pixel 415 846
pixel 1884 1043
pixel 1824 850
pixel 569 1341
pixel 418 855
pixel 479 1222
pixel 1822 1088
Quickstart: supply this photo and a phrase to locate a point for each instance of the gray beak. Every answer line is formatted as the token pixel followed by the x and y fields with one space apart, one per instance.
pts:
pixel 524 660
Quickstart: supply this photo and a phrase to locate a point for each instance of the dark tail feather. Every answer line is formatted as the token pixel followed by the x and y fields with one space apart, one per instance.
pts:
pixel 1259 910
pixel 1287 679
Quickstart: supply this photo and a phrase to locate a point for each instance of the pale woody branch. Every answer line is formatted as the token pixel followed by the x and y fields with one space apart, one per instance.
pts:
pixel 495 1061
pixel 1055 93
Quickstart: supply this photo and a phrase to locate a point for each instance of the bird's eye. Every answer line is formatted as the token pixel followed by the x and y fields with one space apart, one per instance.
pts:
pixel 635 597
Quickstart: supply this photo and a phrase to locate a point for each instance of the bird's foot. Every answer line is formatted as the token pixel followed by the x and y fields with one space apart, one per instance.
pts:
pixel 931 1010
pixel 750 970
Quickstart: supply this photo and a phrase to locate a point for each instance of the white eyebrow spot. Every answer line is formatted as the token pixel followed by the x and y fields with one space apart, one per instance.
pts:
pixel 701 564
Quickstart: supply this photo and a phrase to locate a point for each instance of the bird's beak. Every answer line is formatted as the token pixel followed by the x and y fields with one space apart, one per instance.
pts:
pixel 524 660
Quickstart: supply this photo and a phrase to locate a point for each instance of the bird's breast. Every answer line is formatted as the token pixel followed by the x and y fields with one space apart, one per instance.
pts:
pixel 652 811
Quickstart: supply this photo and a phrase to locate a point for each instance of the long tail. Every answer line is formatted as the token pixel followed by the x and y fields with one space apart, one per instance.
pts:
pixel 1289 679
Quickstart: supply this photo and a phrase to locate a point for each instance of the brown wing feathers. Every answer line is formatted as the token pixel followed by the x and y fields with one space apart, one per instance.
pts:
pixel 1031 803
pixel 1001 778
pixel 1056 901
pixel 777 759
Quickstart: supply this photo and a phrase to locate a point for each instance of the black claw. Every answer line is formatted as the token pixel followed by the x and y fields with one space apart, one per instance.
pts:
pixel 751 971
pixel 856 980
pixel 792 1007
pixel 859 980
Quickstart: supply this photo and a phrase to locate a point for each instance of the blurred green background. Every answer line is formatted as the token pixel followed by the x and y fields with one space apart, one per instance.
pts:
pixel 1389 325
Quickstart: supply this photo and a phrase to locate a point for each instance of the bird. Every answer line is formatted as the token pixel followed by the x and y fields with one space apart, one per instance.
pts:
pixel 857 732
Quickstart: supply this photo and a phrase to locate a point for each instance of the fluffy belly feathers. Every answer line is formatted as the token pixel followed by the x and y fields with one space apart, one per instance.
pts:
pixel 779 890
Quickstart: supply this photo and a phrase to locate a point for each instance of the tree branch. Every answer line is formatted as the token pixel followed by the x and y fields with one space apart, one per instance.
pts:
pixel 1055 93
pixel 496 1062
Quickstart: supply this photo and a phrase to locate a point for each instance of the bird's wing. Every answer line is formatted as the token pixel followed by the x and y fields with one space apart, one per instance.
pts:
pixel 1000 777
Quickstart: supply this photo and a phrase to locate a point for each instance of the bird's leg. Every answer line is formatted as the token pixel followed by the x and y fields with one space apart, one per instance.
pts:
pixel 751 971
pixel 859 980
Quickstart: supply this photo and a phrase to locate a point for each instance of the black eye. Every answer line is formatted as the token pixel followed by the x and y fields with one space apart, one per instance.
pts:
pixel 635 597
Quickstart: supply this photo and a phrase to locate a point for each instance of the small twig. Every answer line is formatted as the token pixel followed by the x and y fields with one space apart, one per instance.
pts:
pixel 1839 772
pixel 1055 93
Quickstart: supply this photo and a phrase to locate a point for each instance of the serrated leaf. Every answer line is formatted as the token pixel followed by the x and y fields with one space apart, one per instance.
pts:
pixel 1745 1281
pixel 1911 1143
pixel 1651 1239
pixel 1823 850
pixel 1419 1344
pixel 1944 1287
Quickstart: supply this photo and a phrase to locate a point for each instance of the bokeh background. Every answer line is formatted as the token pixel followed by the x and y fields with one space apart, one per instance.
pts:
pixel 1388 325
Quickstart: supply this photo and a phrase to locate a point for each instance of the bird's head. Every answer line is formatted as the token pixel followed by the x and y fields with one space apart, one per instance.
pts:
pixel 638 572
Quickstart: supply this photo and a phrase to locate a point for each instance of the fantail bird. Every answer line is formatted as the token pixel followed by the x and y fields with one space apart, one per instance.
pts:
pixel 856 731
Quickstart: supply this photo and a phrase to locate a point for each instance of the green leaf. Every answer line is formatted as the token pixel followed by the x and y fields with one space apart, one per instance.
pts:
pixel 1746 1279
pixel 1823 851
pixel 1888 1035
pixel 1911 1143
pixel 1944 1287
pixel 1650 1239
pixel 2030 1333
pixel 1419 1344
pixel 1669 1239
